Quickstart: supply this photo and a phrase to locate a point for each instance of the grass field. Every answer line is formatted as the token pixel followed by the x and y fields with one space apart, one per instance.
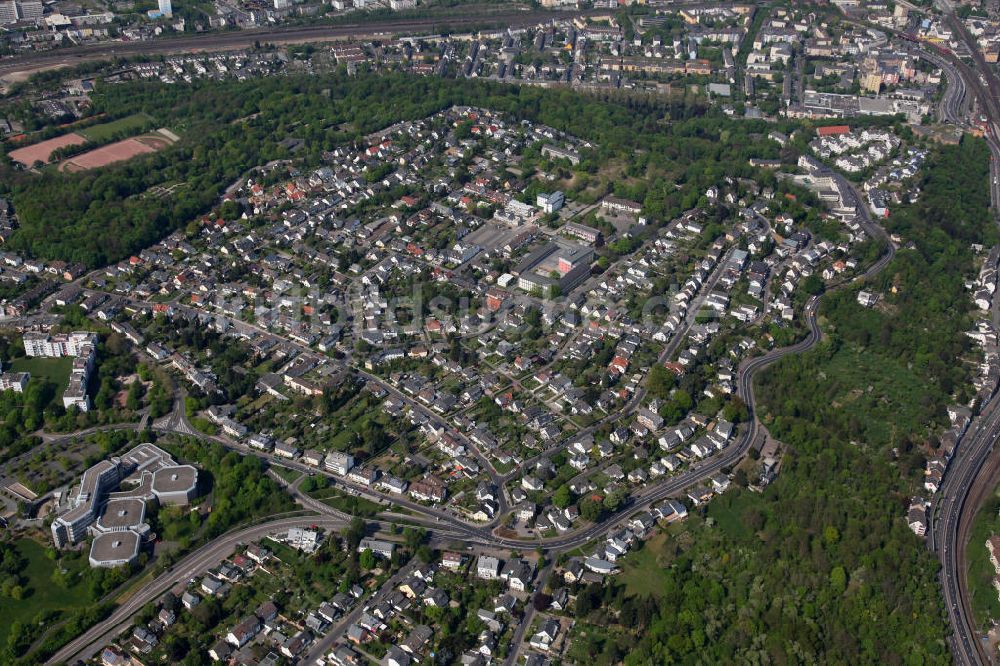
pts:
pixel 644 570
pixel 55 370
pixel 134 124
pixel 289 475
pixel 41 594
pixel 358 506
pixel 985 602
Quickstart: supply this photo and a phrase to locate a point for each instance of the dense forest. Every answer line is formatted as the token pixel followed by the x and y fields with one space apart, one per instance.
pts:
pixel 100 216
pixel 821 568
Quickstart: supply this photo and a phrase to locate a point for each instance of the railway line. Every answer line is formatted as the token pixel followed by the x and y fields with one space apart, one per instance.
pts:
pixel 230 41
pixel 974 468
pixel 440 524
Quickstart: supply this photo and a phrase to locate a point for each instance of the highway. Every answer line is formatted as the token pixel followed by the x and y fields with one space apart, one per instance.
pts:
pixel 440 523
pixel 952 106
pixel 972 472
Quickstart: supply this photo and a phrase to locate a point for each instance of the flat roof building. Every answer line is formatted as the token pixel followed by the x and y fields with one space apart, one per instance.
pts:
pixel 148 473
pixel 71 527
pixel 559 264
pixel 114 549
pixel 175 485
pixel 121 515
pixel 54 346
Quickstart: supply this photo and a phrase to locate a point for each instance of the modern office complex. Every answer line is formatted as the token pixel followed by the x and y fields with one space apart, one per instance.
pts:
pixel 117 519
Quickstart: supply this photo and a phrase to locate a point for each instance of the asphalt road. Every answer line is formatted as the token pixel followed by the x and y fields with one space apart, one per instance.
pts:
pixel 972 470
pixel 210 555
pixel 444 525
pixel 87 644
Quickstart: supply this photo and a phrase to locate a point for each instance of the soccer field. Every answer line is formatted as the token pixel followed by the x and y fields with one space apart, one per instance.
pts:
pixel 128 125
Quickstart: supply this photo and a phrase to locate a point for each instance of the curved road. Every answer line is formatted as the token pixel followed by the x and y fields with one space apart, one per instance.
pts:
pixel 453 527
pixel 194 564
pixel 209 555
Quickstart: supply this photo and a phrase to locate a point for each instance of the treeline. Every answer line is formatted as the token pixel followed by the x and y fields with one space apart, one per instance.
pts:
pixel 240 489
pixel 913 342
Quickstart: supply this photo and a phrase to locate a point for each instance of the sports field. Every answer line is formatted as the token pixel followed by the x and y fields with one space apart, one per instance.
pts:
pixel 133 124
pixel 40 152
pixel 119 151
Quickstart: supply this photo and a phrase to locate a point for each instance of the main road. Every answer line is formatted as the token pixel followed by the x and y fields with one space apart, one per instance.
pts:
pixel 972 471
pixel 196 563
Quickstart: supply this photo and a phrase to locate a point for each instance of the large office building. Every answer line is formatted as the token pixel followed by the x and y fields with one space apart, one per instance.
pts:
pixel 85 501
pixel 176 485
pixel 115 549
pixel 166 8
pixel 117 520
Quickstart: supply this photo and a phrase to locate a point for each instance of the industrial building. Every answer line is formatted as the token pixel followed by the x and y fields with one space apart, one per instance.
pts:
pixel 554 268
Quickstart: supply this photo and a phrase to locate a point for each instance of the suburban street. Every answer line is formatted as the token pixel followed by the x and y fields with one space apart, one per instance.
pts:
pixel 443 526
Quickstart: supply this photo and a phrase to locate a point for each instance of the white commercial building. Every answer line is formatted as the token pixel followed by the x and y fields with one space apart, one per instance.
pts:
pixel 8 12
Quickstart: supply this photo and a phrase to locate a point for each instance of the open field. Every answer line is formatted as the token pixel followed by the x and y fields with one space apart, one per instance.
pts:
pixel 137 122
pixel 118 151
pixel 41 593
pixel 55 370
pixel 43 149
pixel 644 570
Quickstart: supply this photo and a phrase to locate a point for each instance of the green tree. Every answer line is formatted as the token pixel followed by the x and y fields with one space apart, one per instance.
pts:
pixel 562 497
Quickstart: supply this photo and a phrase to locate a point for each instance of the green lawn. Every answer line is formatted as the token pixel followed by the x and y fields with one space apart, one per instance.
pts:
pixel 289 475
pixel 55 370
pixel 41 594
pixel 644 570
pixel 357 506
pixel 726 511
pixel 985 602
pixel 134 124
